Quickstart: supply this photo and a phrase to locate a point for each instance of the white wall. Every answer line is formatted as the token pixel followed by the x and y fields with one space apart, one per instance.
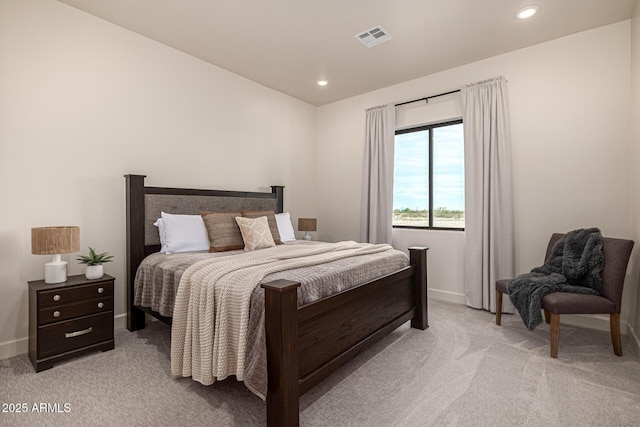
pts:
pixel 635 159
pixel 570 120
pixel 82 102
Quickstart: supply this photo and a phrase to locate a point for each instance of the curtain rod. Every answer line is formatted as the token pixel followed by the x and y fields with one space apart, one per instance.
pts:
pixel 427 98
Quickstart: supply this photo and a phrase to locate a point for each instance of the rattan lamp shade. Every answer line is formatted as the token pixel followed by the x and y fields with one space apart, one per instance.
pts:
pixel 55 241
pixel 307 224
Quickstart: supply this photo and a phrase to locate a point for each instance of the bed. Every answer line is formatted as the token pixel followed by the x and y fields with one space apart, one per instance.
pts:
pixel 304 343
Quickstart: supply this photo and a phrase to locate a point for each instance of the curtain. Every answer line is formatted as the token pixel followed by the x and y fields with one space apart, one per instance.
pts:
pixel 377 180
pixel 488 191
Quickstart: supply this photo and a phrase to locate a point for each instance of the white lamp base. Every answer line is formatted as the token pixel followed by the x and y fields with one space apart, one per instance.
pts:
pixel 55 271
pixel 307 236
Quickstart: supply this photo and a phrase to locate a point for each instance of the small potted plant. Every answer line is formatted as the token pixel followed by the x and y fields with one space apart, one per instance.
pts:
pixel 94 263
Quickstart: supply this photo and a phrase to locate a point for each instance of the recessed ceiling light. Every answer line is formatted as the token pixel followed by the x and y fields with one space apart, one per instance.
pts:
pixel 527 12
pixel 322 82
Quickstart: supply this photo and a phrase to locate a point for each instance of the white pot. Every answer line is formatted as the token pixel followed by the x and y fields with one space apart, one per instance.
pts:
pixel 94 272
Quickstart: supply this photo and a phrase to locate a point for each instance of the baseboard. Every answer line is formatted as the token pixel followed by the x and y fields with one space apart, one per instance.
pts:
pixel 599 322
pixel 120 321
pixel 447 296
pixel 634 341
pixel 14 348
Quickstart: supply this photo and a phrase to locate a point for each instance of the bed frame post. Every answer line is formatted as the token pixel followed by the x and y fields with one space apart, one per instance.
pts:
pixel 135 244
pixel 278 190
pixel 418 258
pixel 281 324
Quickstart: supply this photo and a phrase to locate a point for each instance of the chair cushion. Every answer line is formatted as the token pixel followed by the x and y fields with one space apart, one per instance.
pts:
pixel 502 285
pixel 568 303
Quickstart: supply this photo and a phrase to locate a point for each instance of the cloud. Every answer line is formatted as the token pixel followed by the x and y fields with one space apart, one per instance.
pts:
pixel 411 180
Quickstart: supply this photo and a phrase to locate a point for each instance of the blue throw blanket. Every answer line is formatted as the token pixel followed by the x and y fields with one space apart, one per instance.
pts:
pixel 575 266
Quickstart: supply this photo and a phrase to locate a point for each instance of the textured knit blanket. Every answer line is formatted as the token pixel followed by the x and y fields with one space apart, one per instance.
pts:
pixel 575 266
pixel 211 311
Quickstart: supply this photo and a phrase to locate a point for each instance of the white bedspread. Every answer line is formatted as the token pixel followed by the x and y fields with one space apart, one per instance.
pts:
pixel 211 311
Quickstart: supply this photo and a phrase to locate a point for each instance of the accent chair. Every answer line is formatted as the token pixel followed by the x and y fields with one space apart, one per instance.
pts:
pixel 616 254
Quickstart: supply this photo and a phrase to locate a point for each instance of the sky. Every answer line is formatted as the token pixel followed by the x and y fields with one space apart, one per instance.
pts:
pixel 411 171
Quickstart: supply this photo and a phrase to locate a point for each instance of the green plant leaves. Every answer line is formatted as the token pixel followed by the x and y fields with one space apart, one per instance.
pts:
pixel 93 258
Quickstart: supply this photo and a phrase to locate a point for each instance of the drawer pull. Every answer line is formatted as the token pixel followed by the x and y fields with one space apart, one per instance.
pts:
pixel 100 305
pixel 100 290
pixel 56 313
pixel 78 333
pixel 56 297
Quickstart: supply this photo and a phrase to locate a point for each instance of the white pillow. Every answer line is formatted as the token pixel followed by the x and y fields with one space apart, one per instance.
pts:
pixel 184 233
pixel 285 228
pixel 160 224
pixel 255 233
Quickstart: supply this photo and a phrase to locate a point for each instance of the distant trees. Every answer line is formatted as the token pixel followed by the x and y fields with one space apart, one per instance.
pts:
pixel 443 212
pixel 421 214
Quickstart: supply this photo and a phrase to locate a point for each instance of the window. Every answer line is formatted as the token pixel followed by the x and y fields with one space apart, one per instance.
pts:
pixel 428 178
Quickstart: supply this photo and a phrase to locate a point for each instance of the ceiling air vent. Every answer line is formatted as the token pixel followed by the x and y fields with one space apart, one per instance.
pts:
pixel 374 36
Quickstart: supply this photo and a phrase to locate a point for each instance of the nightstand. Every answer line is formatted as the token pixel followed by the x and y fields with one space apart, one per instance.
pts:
pixel 69 318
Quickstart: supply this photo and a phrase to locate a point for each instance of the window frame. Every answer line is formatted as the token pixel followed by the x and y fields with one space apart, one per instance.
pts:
pixel 420 129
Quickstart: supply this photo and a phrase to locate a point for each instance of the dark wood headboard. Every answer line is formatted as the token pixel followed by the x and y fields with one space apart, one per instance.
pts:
pixel 143 207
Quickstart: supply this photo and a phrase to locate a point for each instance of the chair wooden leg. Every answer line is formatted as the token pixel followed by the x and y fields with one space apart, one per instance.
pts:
pixel 555 333
pixel 614 320
pixel 546 316
pixel 498 307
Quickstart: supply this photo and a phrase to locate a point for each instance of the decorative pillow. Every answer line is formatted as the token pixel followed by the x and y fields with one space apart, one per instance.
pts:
pixel 223 231
pixel 285 228
pixel 255 232
pixel 273 225
pixel 183 233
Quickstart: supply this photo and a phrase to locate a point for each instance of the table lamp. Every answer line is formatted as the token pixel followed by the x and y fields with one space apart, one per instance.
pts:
pixel 307 224
pixel 55 241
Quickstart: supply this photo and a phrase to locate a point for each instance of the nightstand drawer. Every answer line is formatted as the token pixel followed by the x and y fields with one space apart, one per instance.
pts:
pixel 57 297
pixel 58 338
pixel 76 309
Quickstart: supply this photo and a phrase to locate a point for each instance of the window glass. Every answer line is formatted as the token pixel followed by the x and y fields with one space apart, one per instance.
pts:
pixel 428 185
pixel 448 177
pixel 411 179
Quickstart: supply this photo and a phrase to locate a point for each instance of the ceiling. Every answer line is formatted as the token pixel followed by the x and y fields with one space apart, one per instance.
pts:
pixel 288 45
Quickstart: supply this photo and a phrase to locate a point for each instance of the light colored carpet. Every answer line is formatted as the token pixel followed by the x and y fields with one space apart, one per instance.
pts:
pixel 462 371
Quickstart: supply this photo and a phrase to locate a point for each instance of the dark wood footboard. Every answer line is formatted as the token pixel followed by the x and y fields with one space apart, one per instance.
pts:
pixel 306 344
